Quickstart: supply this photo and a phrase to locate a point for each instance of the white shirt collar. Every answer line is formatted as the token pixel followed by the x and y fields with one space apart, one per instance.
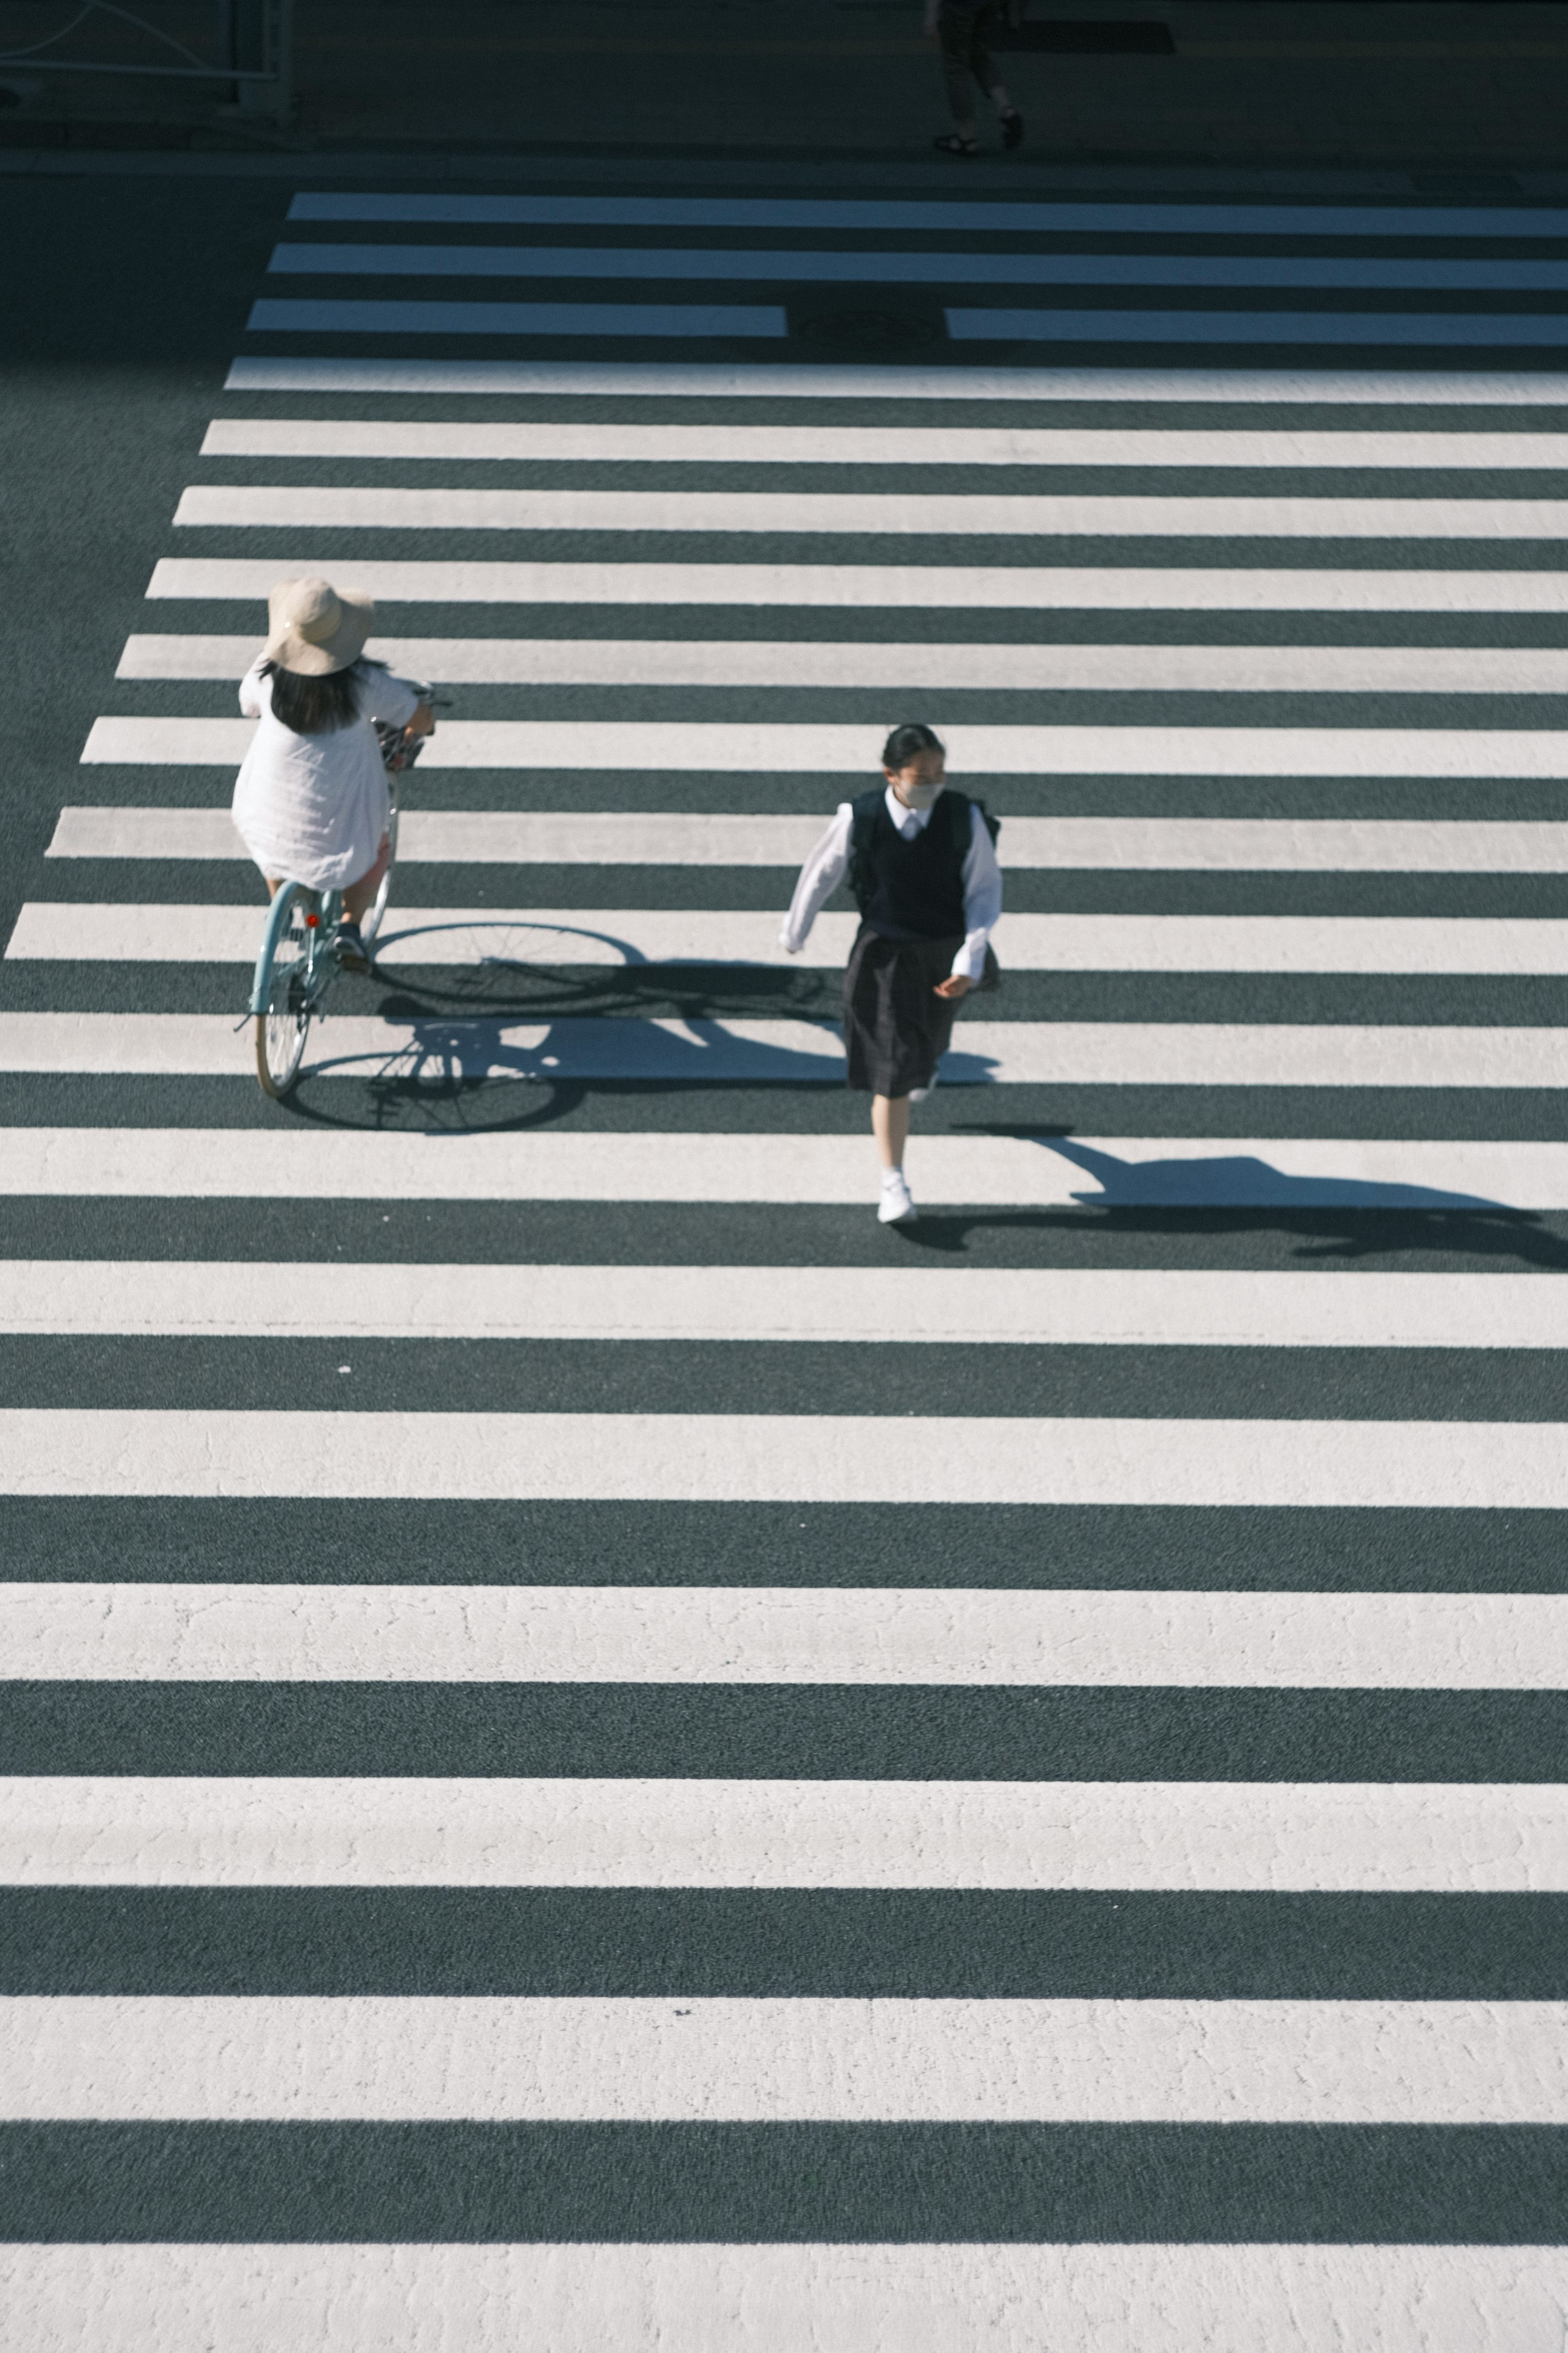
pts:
pixel 908 820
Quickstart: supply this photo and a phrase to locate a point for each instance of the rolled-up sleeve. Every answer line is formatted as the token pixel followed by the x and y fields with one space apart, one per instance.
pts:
pixel 981 898
pixel 819 878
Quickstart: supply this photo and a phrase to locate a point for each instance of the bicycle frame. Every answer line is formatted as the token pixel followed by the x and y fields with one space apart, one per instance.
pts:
pixel 321 930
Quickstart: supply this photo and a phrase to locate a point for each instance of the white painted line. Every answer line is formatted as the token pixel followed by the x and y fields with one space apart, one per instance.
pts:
pixel 1018 669
pixel 314 506
pixel 733 1052
pixel 587 2058
pixel 787 1458
pixel 656 319
pixel 1425 330
pixel 1274 1837
pixel 632 838
pixel 960 2298
pixel 618 937
pixel 881 445
pixel 762 1635
pixel 826 266
pixel 740 380
pixel 802 748
pixel 884 586
pixel 1043 217
pixel 1078 1307
pixel 1044 1172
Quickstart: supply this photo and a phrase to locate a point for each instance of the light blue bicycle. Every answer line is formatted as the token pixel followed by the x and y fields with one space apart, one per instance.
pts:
pixel 299 959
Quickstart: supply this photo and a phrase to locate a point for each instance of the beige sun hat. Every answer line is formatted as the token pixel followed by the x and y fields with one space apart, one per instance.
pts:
pixel 314 628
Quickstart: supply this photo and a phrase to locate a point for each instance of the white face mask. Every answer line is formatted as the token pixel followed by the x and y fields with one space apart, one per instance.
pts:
pixel 921 797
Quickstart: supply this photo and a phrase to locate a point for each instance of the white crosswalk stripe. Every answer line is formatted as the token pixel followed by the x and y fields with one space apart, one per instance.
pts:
pixel 551 1633
pixel 1021 1306
pixel 637 838
pixel 959 587
pixel 923 2299
pixel 273 506
pixel 1026 1172
pixel 56 931
pixel 568 1690
pixel 441 1047
pixel 233 1830
pixel 1226 2062
pixel 656 661
pixel 788 748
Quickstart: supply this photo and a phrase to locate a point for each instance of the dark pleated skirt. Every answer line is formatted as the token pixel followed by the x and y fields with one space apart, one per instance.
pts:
pixel 895 1027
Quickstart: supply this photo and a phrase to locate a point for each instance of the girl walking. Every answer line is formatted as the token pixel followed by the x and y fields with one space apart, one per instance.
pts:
pixel 923 869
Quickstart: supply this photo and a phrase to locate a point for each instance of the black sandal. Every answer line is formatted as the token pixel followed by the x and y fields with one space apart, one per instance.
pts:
pixel 953 145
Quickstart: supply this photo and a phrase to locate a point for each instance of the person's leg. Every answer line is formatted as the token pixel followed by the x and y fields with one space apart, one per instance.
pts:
pixel 984 67
pixel 359 895
pixel 955 34
pixel 890 1126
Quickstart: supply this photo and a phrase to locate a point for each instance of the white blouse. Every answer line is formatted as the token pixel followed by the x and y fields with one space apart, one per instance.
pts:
pixel 313 808
pixel 825 869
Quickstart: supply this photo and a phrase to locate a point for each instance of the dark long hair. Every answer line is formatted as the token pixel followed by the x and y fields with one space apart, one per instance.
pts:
pixel 317 706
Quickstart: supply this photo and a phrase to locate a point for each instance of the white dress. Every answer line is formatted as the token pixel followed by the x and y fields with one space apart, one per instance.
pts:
pixel 313 808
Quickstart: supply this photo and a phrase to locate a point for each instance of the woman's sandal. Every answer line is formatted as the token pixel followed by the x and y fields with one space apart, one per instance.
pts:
pixel 953 145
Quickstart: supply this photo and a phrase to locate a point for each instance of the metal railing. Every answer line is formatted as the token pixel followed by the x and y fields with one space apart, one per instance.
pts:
pixel 253 41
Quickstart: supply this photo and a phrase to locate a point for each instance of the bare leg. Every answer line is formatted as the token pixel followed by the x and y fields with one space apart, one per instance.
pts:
pixel 359 895
pixel 890 1126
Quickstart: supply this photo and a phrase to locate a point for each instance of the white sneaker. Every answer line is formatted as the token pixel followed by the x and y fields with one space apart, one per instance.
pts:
pixel 897 1207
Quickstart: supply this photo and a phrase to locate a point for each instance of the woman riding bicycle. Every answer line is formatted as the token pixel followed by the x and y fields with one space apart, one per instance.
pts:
pixel 310 801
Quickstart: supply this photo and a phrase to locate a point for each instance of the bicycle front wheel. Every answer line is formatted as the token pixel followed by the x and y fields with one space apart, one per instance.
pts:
pixel 370 921
pixel 283 999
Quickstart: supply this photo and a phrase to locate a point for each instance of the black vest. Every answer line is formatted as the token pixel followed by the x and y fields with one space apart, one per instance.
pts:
pixel 910 889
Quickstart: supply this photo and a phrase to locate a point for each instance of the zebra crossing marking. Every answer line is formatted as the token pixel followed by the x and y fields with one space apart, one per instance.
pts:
pixel 1039 1172
pixel 881 445
pixel 961 587
pixel 700 1050
pixel 968 268
pixel 279 505
pixel 252 2058
pixel 787 1458
pixel 1480 755
pixel 1394 2063
pixel 1041 216
pixel 838 662
pixel 658 319
pixel 614 938
pixel 949 2297
pixel 130 1830
pixel 638 838
pixel 789 1635
pixel 1245 384
pixel 1016 1306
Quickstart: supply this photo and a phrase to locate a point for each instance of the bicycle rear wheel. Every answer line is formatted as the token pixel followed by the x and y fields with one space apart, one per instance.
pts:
pixel 370 921
pixel 283 997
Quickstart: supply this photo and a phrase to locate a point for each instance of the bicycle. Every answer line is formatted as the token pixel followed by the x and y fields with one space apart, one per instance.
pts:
pixel 299 958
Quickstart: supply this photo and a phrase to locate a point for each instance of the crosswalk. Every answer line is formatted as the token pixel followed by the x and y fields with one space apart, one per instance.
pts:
pixel 600 1751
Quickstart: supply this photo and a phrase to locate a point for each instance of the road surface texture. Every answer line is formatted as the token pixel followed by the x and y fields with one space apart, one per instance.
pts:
pixel 599 1751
